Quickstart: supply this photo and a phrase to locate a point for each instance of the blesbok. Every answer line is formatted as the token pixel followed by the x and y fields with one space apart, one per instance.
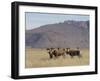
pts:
pixel 50 50
pixel 55 52
pixel 73 52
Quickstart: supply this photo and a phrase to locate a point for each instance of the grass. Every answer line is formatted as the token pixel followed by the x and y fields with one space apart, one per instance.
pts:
pixel 40 58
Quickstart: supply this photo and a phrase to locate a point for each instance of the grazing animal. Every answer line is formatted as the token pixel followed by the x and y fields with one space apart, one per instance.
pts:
pixel 73 52
pixel 60 52
pixel 49 50
pixel 56 52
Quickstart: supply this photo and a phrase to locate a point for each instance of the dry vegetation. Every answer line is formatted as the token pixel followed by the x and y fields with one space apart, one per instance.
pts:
pixel 40 58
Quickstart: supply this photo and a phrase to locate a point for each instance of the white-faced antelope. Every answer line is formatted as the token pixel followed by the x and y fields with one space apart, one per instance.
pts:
pixel 56 52
pixel 73 52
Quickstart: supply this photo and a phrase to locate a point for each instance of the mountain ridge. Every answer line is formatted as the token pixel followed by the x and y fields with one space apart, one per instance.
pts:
pixel 62 34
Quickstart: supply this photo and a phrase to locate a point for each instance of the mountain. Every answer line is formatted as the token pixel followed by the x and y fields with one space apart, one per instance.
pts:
pixel 64 34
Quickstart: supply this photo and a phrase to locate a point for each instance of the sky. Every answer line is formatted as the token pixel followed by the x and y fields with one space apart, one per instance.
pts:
pixel 34 20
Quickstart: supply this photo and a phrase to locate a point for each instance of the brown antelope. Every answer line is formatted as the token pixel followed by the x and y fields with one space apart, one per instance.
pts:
pixel 53 52
pixel 73 52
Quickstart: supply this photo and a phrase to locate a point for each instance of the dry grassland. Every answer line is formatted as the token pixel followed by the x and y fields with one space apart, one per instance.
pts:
pixel 40 58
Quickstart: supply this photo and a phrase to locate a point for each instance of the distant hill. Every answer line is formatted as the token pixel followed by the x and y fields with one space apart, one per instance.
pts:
pixel 64 34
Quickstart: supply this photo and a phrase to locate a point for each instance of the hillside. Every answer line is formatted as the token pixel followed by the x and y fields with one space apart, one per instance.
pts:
pixel 64 34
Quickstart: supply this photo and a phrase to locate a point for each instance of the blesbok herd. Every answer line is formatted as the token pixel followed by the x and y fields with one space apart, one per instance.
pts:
pixel 56 52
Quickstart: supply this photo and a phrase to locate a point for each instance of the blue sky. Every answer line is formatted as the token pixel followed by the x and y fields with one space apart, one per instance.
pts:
pixel 34 20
